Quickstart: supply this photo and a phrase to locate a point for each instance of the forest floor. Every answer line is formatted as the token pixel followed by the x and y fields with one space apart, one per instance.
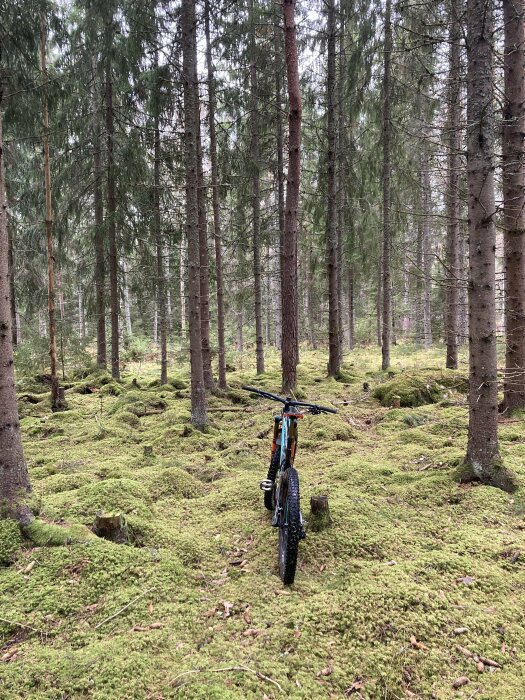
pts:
pixel 416 576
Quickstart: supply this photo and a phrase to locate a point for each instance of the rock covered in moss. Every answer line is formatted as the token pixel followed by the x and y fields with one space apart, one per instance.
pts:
pixel 418 389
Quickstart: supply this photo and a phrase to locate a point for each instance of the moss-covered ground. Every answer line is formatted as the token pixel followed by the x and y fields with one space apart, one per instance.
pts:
pixel 415 573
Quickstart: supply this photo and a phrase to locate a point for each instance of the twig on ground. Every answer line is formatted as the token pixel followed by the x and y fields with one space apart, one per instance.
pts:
pixel 20 624
pixel 229 668
pixel 119 612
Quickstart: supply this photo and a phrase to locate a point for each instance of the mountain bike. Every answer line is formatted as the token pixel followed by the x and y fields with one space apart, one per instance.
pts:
pixel 281 486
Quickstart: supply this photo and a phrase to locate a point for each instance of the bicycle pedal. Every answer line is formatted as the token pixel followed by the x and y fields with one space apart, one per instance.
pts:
pixel 266 485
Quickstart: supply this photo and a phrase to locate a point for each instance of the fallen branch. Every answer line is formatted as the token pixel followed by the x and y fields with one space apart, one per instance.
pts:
pixel 228 668
pixel 20 624
pixel 119 612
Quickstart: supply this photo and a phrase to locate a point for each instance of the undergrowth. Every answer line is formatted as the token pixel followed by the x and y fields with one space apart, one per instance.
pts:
pixel 414 568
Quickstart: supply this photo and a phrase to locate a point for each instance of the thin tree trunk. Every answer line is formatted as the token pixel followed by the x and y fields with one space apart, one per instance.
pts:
pixel 514 202
pixel 161 281
pixel 55 403
pixel 289 249
pixel 482 459
pixel 215 201
pixel 14 477
pixel 111 203
pixel 332 243
pixel 452 195
pixel 100 265
pixel 351 306
pixel 167 276
pixel 126 297
pixel 379 297
pixel 426 250
pixel 12 292
pixel 209 384
pixel 280 181
pixel 387 232
pixel 256 193
pixel 182 271
pixel 191 135
pixel 341 174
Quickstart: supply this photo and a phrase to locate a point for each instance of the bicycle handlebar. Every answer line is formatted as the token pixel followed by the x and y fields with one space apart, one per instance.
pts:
pixel 289 402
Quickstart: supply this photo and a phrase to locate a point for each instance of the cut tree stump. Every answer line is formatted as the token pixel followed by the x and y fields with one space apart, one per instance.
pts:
pixel 320 517
pixel 111 527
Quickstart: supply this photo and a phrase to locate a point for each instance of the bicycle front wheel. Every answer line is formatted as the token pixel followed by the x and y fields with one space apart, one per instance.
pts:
pixel 289 527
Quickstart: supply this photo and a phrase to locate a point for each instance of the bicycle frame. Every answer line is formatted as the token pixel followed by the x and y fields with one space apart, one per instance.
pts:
pixel 287 423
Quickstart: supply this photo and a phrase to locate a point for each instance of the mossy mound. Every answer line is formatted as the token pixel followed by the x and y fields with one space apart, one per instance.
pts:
pixel 93 382
pixel 44 534
pixel 140 403
pixel 10 541
pixel 173 383
pixel 174 482
pixel 418 389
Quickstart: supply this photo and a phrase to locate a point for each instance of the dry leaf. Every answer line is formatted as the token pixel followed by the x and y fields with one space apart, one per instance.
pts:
pixel 9 655
pixel 460 630
pixel 247 616
pixel 480 667
pixel 356 686
pixel 28 567
pixel 326 671
pixel 416 644
pixel 251 632
pixel 139 628
pixel 227 608
pixel 460 682
pixel 467 580
pixel 156 626
pixel 322 568
pixel 150 608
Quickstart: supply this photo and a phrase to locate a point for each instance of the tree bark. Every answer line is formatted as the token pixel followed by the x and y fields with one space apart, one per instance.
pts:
pixel 514 202
pixel 111 202
pixel 452 194
pixel 426 249
pixel 482 459
pixel 289 249
pixel 55 403
pixel 209 384
pixel 387 232
pixel 14 477
pixel 256 192
pixel 215 201
pixel 161 281
pixel 100 265
pixel 191 134
pixel 280 181
pixel 12 291
pixel 332 260
pixel 351 306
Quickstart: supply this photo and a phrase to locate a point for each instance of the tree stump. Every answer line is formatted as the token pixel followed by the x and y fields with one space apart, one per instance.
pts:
pixel 111 527
pixel 366 386
pixel 320 517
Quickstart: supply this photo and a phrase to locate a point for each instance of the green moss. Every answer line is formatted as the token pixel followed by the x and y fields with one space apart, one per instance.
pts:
pixel 10 541
pixel 44 534
pixel 410 552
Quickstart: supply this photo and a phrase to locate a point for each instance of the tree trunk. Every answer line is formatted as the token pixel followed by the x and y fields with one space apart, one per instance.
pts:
pixel 482 460
pixel 387 232
pixel 183 271
pixel 289 249
pixel 203 257
pixel 280 180
pixel 514 202
pixel 215 201
pixel 55 404
pixel 126 297
pixel 100 265
pixel 351 306
pixel 379 297
pixel 452 194
pixel 191 134
pixel 12 294
pixel 161 281
pixel 332 260
pixel 111 203
pixel 14 477
pixel 256 193
pixel 426 249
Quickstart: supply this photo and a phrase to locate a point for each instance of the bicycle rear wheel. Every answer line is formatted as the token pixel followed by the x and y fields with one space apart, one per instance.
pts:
pixel 289 527
pixel 269 496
